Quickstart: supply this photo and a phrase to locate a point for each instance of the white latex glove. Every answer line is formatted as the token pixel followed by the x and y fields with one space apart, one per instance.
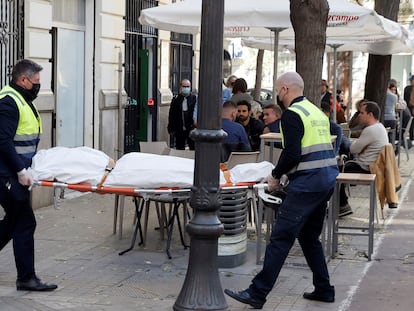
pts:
pixel 25 178
pixel 272 183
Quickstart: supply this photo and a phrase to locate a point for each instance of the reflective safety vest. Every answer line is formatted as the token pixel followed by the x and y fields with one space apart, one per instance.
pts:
pixel 317 169
pixel 29 127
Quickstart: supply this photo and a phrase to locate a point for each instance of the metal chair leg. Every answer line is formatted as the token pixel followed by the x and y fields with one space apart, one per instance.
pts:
pixel 138 209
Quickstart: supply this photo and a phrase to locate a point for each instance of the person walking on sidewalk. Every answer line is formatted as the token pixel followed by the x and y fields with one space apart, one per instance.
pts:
pixel 20 129
pixel 309 161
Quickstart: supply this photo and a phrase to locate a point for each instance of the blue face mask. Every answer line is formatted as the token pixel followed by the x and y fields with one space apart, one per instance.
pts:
pixel 185 90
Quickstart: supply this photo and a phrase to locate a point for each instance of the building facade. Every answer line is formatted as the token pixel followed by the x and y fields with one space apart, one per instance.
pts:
pixel 107 81
pixel 79 44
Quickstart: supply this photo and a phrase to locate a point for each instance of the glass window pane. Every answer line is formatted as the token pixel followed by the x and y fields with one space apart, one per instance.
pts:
pixel 69 11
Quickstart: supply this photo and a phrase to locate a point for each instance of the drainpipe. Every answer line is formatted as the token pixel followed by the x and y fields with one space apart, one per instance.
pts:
pixel 120 148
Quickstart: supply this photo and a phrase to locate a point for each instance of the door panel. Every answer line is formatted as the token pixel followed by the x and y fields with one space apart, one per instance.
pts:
pixel 69 88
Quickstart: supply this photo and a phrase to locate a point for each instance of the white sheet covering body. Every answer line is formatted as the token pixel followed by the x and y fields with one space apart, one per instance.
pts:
pixel 249 172
pixel 135 169
pixel 70 165
pixel 145 170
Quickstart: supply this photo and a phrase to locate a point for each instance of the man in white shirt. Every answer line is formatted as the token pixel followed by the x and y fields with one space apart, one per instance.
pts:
pixel 365 149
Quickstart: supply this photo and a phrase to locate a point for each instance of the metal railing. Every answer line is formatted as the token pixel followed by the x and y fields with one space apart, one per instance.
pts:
pixel 11 37
pixel 133 10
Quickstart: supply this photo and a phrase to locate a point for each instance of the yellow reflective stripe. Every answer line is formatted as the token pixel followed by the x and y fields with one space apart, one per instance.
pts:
pixel 301 108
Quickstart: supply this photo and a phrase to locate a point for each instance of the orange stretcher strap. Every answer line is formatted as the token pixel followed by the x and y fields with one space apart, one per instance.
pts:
pixel 229 183
pixel 226 174
pixel 108 169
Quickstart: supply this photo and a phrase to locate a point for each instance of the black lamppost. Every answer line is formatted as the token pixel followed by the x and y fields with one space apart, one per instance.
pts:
pixel 202 288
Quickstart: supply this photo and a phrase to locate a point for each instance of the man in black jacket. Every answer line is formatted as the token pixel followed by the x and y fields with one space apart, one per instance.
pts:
pixel 309 162
pixel 20 129
pixel 180 118
pixel 252 126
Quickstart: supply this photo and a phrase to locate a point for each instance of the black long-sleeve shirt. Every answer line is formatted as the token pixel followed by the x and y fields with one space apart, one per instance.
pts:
pixel 253 130
pixel 293 131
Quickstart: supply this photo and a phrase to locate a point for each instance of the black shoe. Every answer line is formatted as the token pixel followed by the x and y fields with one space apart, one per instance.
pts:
pixel 35 284
pixel 319 297
pixel 244 297
pixel 392 205
pixel 345 210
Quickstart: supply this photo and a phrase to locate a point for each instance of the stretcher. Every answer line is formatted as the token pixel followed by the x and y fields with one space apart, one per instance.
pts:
pixel 145 176
pixel 177 197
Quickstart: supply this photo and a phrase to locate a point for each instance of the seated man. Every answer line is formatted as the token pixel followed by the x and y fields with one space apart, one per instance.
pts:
pixel 236 139
pixel 365 149
pixel 252 126
pixel 271 117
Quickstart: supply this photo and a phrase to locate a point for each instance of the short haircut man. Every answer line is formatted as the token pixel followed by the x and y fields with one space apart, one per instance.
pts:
pixel 245 103
pixel 372 107
pixel 276 108
pixel 229 105
pixel 271 116
pixel 25 67
pixel 252 126
pixel 236 139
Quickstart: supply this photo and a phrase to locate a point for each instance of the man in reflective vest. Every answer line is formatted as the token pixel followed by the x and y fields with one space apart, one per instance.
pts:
pixel 309 161
pixel 20 129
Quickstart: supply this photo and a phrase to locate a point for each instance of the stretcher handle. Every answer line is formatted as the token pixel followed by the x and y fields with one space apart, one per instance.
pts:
pixel 89 188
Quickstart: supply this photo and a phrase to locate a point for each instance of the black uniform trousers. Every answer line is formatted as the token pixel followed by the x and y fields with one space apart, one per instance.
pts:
pixel 301 216
pixel 18 224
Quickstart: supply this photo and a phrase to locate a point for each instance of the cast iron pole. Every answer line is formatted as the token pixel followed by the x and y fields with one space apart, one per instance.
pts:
pixel 202 288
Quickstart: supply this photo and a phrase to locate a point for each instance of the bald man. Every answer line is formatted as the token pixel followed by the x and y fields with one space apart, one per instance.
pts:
pixel 309 161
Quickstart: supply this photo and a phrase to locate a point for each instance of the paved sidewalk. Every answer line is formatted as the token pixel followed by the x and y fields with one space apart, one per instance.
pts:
pixel 76 249
pixel 389 281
